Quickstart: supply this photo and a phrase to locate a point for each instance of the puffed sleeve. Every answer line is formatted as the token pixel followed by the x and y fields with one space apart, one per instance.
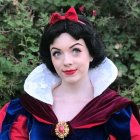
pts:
pixel 123 125
pixel 13 122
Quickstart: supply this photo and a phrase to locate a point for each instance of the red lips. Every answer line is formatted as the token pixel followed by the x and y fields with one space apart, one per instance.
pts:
pixel 70 72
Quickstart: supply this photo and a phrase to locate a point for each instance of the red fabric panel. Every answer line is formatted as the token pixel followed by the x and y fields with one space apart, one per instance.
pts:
pixel 2 114
pixel 41 120
pixel 134 128
pixel 19 129
pixel 111 137
pixel 89 125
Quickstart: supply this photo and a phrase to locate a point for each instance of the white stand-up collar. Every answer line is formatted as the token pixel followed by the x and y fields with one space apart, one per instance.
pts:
pixel 41 81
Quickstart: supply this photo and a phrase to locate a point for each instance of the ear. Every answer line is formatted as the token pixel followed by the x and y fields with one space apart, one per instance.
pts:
pixel 91 59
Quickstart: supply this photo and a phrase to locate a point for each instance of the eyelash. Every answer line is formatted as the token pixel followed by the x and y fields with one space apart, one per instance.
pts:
pixel 77 50
pixel 74 50
pixel 56 52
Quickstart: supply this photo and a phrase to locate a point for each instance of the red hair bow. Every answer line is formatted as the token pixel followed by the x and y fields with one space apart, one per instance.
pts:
pixel 70 15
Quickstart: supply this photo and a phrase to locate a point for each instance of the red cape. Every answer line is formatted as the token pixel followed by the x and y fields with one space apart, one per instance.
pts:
pixel 96 112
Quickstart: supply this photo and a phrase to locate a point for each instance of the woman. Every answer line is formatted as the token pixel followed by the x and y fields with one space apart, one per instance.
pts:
pixel 67 97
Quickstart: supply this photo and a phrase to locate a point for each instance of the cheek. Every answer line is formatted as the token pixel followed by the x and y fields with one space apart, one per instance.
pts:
pixel 84 66
pixel 85 63
pixel 54 61
pixel 56 65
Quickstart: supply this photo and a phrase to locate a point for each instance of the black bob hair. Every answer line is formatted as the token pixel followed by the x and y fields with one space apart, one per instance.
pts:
pixel 77 30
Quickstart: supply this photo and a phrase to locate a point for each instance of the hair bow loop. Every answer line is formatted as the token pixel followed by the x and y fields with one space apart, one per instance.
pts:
pixel 70 15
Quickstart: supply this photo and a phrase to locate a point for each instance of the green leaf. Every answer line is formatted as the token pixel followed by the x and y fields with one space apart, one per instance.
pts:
pixel 22 53
pixel 19 22
pixel 138 82
pixel 136 56
pixel 30 56
pixel 2 37
pixel 34 49
pixel 122 68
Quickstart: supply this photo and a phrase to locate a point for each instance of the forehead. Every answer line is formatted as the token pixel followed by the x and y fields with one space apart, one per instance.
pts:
pixel 66 40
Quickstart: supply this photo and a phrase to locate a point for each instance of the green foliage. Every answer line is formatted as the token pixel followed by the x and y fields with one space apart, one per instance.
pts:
pixel 21 25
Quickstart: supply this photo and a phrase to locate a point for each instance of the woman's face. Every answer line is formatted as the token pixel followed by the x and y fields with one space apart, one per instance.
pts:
pixel 70 58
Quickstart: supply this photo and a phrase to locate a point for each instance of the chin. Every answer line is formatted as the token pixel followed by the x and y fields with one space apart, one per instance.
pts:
pixel 71 80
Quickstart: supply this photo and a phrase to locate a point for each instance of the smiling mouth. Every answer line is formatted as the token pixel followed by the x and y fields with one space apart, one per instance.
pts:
pixel 70 72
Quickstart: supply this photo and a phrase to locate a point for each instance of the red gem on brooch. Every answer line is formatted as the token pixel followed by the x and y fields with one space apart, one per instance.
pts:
pixel 62 130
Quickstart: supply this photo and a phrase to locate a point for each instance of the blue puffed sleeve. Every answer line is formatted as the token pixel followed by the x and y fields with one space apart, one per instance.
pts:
pixel 14 110
pixel 121 123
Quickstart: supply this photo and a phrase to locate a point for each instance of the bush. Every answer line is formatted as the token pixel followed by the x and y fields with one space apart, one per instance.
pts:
pixel 21 26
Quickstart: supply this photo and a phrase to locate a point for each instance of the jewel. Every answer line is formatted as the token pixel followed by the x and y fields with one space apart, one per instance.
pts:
pixel 62 129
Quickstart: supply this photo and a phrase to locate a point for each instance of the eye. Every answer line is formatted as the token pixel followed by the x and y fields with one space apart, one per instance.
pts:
pixel 56 53
pixel 76 50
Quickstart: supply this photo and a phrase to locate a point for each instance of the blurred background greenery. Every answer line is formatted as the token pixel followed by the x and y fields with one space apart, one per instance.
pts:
pixel 22 23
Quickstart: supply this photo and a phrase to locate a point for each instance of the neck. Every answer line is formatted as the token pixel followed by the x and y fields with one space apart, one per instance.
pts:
pixel 80 90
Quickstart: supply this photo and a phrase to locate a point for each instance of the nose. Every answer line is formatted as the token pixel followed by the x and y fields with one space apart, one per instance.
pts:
pixel 67 60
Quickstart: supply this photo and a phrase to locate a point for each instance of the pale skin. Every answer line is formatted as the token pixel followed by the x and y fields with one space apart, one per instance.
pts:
pixel 71 60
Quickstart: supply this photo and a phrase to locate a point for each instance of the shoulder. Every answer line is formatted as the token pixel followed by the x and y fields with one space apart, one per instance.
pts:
pixel 123 124
pixel 14 120
pixel 110 102
pixel 120 103
pixel 10 111
pixel 13 107
pixel 112 98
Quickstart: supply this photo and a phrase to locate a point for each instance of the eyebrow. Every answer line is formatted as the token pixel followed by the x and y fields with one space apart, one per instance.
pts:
pixel 69 47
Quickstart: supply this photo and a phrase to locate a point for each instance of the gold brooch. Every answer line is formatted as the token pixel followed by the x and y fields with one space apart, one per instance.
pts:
pixel 62 130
